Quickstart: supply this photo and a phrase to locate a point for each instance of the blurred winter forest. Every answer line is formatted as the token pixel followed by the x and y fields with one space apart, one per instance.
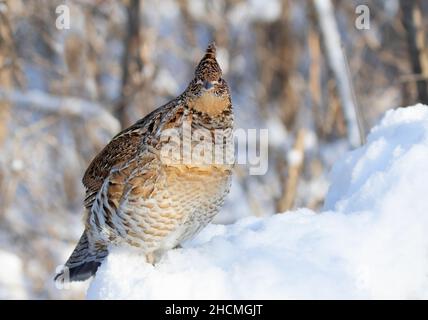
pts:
pixel 64 93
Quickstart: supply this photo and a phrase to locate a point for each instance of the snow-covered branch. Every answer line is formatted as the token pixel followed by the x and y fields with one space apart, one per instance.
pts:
pixel 67 106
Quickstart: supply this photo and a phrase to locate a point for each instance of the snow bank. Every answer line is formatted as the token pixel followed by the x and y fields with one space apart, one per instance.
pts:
pixel 12 284
pixel 370 242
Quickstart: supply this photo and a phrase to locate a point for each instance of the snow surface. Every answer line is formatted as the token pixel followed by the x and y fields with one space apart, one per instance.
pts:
pixel 12 283
pixel 371 241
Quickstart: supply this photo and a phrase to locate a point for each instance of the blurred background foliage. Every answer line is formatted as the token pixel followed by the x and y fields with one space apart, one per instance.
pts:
pixel 65 93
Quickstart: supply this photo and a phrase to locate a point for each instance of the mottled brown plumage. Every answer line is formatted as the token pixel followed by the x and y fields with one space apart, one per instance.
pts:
pixel 135 197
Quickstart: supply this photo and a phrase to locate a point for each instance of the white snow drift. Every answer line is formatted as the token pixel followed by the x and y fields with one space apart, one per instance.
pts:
pixel 370 242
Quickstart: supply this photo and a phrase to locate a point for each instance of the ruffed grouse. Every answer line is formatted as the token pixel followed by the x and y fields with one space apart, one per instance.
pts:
pixel 135 197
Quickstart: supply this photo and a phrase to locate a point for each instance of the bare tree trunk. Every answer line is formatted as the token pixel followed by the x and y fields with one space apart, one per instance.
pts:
pixel 337 64
pixel 7 61
pixel 412 21
pixel 131 62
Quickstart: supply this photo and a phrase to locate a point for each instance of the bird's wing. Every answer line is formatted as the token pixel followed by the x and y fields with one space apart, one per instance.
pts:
pixel 121 149
pixel 124 147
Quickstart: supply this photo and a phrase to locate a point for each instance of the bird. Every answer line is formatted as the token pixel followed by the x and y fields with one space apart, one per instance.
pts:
pixel 139 198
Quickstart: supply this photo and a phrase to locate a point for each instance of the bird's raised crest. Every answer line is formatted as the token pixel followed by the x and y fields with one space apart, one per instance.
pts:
pixel 211 51
pixel 208 68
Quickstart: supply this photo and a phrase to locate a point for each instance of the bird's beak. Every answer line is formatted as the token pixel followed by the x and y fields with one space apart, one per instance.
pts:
pixel 208 85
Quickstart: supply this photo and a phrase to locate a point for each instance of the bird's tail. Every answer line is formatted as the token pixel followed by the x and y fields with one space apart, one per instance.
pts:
pixel 83 262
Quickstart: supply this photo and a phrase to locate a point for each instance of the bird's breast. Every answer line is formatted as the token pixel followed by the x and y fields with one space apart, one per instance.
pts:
pixel 210 104
pixel 200 192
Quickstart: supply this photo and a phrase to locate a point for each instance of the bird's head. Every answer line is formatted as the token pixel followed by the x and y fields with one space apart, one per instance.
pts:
pixel 208 92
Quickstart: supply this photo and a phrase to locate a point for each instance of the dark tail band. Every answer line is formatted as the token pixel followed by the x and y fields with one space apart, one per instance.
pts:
pixel 83 262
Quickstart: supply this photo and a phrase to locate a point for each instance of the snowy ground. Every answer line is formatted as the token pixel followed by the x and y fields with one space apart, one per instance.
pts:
pixel 371 241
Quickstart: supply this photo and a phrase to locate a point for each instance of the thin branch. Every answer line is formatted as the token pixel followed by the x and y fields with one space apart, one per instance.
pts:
pixel 358 111
pixel 288 197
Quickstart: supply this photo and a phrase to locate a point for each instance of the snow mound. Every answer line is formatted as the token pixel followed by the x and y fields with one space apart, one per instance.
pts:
pixel 12 283
pixel 370 242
